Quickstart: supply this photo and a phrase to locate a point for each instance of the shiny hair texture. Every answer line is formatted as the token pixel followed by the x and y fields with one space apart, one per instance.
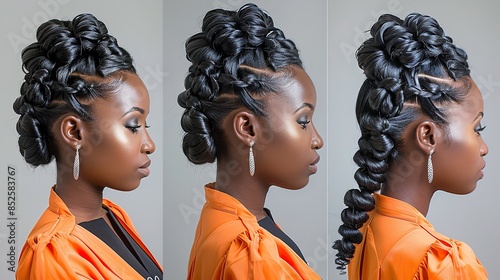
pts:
pixel 70 64
pixel 238 55
pixel 406 64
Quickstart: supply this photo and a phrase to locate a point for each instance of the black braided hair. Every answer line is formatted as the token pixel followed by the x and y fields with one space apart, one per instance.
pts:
pixel 236 55
pixel 401 62
pixel 70 64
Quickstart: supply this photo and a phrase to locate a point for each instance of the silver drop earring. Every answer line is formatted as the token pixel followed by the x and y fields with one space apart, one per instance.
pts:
pixel 251 160
pixel 430 168
pixel 76 164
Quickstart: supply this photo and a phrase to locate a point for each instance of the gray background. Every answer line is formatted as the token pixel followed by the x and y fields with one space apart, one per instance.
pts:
pixel 327 33
pixel 138 28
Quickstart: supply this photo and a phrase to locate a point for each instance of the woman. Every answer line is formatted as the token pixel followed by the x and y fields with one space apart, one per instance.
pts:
pixel 420 117
pixel 83 105
pixel 248 106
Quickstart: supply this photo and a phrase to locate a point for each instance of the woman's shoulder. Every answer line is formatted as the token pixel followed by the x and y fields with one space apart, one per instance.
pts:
pixel 51 225
pixel 447 258
pixel 426 241
pixel 434 256
pixel 227 233
pixel 60 226
pixel 451 259
pixel 219 234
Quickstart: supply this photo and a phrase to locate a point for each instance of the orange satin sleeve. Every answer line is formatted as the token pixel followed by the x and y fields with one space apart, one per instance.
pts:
pixel 258 258
pixel 454 260
pixel 57 257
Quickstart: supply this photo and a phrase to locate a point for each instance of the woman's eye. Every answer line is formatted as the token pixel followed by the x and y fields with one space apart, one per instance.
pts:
pixel 133 128
pixel 303 123
pixel 479 129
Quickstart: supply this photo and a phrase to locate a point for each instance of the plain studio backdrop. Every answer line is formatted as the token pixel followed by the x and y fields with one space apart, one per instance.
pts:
pixel 165 208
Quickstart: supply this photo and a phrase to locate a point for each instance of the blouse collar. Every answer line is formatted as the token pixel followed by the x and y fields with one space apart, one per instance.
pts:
pixel 224 202
pixel 398 209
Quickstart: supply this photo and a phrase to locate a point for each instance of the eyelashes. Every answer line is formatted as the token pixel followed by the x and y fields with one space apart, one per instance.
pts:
pixel 303 123
pixel 479 129
pixel 134 127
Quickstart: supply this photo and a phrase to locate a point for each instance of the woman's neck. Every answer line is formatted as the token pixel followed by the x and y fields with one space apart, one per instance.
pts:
pixel 414 193
pixel 83 201
pixel 246 189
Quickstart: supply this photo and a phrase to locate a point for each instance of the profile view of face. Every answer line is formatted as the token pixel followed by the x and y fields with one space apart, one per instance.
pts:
pixel 459 161
pixel 117 156
pixel 287 154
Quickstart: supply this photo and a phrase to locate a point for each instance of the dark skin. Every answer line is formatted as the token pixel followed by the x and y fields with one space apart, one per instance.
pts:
pixel 114 149
pixel 285 145
pixel 407 178
pixel 457 160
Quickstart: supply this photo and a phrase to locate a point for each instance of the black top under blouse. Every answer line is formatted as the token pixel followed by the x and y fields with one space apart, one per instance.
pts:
pixel 268 224
pixel 124 245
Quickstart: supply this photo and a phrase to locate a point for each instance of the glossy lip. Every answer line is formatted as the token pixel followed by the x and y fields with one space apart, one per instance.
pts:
pixel 313 167
pixel 144 169
pixel 481 173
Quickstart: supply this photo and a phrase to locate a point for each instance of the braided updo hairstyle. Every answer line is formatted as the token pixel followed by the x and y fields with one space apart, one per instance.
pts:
pixel 70 64
pixel 238 55
pixel 409 66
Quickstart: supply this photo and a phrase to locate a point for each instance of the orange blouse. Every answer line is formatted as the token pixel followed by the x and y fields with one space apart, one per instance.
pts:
pixel 399 243
pixel 230 244
pixel 58 248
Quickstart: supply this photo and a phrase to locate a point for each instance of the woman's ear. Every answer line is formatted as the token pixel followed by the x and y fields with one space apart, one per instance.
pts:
pixel 71 130
pixel 246 126
pixel 427 135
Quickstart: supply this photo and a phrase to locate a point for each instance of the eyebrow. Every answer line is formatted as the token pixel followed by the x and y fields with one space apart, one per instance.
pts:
pixel 481 114
pixel 134 109
pixel 309 105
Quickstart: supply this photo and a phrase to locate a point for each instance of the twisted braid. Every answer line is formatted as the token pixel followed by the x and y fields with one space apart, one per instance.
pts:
pixel 405 62
pixel 236 55
pixel 67 66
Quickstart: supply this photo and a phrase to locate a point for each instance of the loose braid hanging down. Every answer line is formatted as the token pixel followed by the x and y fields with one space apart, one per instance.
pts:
pixel 405 63
pixel 66 67
pixel 236 56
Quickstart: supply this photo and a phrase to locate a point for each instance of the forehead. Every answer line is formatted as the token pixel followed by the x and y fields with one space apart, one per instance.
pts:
pixel 297 90
pixel 471 106
pixel 474 100
pixel 130 93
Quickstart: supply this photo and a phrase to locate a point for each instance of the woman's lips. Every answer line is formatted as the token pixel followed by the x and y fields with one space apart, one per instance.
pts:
pixel 144 169
pixel 313 167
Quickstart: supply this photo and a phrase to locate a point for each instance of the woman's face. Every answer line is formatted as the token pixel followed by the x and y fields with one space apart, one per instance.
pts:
pixel 458 160
pixel 115 154
pixel 285 154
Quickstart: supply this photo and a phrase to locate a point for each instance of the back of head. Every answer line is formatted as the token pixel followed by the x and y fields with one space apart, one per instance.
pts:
pixel 70 64
pixel 410 67
pixel 236 56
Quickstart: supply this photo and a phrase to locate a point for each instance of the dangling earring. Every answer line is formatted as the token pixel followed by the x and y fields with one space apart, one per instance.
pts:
pixel 76 164
pixel 251 160
pixel 430 168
